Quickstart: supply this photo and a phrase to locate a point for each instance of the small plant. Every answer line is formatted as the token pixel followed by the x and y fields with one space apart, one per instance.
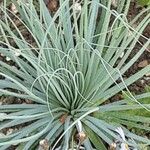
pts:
pixel 75 65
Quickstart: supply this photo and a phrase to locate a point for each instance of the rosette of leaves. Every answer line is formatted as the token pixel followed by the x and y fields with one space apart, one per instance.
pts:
pixel 76 65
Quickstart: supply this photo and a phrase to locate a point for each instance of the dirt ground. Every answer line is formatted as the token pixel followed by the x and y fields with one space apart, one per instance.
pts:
pixel 144 60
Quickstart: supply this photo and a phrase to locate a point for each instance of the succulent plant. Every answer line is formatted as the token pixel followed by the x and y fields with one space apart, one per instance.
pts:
pixel 76 64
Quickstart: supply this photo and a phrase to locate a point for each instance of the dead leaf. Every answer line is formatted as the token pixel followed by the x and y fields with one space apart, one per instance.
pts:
pixel 143 64
pixel 63 118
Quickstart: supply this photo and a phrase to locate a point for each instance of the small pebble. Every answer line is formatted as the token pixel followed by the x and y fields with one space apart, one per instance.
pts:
pixel 17 52
pixel 2 54
pixel 44 144
pixel 8 59
pixel 13 8
pixel 9 131
pixel 114 3
pixel 142 81
pixel 147 74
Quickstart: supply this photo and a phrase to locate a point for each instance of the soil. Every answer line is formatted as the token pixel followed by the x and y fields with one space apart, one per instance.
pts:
pixel 139 86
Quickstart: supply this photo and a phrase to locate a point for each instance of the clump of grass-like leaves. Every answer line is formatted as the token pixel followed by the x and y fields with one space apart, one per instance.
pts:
pixel 69 73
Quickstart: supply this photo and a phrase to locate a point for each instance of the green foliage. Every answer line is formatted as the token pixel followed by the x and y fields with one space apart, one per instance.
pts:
pixel 140 112
pixel 95 139
pixel 69 73
pixel 144 2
